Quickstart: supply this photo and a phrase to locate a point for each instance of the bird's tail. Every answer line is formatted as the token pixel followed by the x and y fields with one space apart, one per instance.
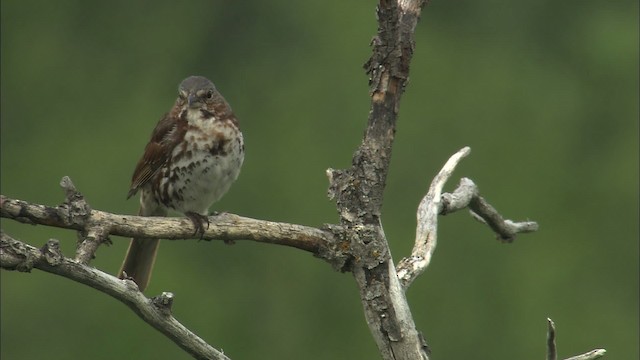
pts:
pixel 141 255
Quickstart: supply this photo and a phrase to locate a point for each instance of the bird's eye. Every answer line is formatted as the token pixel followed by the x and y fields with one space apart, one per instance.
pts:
pixel 209 94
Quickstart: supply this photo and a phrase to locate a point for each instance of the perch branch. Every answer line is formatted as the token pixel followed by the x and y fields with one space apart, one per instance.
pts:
pixel 223 226
pixel 16 255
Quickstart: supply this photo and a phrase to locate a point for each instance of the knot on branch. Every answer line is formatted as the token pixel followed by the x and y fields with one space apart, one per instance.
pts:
pixel 358 190
pixel 78 208
pixel 337 183
pixel 343 188
pixel 460 198
pixel 337 252
pixel 163 302
pixel 52 253
pixel 368 245
pixel 15 255
pixel 364 245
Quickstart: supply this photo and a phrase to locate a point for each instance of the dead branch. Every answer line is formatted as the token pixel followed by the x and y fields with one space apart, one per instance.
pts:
pixel 16 255
pixel 435 203
pixel 98 225
pixel 552 353
pixel 358 190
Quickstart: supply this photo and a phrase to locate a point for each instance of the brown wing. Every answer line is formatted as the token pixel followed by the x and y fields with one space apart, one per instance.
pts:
pixel 164 138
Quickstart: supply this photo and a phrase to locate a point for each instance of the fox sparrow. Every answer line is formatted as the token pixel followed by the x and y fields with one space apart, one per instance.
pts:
pixel 194 155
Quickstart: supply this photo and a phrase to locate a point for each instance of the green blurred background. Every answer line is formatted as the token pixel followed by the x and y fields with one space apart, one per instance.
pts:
pixel 544 92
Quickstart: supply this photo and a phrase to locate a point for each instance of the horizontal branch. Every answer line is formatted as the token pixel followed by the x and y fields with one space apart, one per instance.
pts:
pixel 224 226
pixel 590 355
pixel 16 255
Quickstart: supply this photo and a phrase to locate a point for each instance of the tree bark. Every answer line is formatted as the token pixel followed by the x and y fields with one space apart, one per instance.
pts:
pixel 358 191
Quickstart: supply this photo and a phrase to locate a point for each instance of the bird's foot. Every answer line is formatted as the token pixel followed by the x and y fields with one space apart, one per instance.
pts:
pixel 198 221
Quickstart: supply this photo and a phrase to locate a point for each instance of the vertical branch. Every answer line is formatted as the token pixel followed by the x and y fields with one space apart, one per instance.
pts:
pixel 551 340
pixel 358 191
pixel 411 267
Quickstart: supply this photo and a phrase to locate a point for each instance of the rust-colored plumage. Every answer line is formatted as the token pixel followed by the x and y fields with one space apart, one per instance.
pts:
pixel 194 155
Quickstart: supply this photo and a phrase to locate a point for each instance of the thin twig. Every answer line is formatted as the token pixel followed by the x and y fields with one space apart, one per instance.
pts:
pixel 593 354
pixel 551 340
pixel 505 230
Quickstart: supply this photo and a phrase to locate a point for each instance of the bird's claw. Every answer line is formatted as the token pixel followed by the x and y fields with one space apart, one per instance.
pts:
pixel 198 221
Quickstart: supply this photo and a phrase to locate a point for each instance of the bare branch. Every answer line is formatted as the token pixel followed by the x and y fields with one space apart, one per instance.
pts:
pixel 552 353
pixel 358 190
pixel 465 195
pixel 505 230
pixel 79 212
pixel 427 228
pixel 551 340
pixel 593 354
pixel 16 255
pixel 89 244
pixel 98 224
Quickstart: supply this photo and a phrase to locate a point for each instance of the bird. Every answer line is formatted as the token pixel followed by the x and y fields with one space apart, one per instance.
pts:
pixel 194 155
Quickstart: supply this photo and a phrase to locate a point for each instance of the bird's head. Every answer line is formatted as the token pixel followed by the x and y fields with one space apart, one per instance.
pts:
pixel 196 91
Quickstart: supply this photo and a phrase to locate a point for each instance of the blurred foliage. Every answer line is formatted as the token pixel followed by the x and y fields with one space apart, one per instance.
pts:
pixel 544 92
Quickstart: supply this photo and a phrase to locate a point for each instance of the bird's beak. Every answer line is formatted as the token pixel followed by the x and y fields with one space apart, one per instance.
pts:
pixel 192 100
